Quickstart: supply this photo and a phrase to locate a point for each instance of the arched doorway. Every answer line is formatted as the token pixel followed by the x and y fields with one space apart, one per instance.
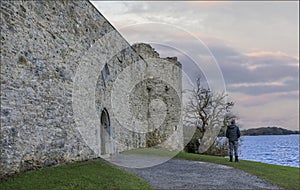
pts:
pixel 105 133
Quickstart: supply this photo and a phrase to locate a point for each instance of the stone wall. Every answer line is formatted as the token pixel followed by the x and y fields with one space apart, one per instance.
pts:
pixel 42 43
pixel 63 66
pixel 159 97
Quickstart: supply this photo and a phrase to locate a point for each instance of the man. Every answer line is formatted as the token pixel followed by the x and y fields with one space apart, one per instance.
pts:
pixel 233 134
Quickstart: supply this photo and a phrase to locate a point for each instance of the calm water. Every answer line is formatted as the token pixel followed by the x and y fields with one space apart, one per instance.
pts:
pixel 271 149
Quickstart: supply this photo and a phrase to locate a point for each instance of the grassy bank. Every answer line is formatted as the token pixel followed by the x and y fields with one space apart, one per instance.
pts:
pixel 283 176
pixel 99 174
pixel 81 175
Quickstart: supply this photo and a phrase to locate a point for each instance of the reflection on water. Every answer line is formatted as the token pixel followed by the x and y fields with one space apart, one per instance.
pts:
pixel 271 149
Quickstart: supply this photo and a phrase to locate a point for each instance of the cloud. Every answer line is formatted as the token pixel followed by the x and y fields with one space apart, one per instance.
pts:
pixel 281 82
pixel 247 100
pixel 273 27
pixel 257 72
pixel 266 54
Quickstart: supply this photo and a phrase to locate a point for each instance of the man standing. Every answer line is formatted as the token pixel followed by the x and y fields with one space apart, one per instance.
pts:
pixel 233 134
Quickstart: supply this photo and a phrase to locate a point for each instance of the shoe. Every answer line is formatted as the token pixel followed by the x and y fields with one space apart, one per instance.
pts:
pixel 230 158
pixel 236 159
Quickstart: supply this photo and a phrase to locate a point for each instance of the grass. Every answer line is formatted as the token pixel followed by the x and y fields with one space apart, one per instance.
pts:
pixel 283 176
pixel 99 174
pixel 90 175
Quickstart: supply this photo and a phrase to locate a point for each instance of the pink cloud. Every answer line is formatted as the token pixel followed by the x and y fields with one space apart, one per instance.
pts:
pixel 280 82
pixel 260 54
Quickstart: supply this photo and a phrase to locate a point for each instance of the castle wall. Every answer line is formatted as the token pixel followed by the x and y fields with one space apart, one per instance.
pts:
pixel 62 66
pixel 42 45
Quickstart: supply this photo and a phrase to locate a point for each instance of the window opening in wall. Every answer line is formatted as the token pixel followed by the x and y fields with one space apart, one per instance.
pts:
pixel 105 74
pixel 105 132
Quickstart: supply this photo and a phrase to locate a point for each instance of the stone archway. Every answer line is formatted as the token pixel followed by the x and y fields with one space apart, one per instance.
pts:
pixel 105 133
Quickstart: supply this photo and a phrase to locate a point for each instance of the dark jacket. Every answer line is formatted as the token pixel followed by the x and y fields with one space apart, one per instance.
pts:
pixel 233 132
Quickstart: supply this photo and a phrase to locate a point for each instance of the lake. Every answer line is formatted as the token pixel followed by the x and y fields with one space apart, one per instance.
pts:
pixel 271 149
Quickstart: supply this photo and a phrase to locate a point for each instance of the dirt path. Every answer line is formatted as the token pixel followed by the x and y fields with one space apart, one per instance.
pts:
pixel 184 174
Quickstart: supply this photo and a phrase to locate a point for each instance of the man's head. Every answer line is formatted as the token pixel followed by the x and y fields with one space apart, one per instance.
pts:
pixel 233 122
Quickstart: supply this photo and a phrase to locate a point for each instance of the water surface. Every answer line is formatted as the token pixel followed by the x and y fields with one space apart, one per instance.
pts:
pixel 271 149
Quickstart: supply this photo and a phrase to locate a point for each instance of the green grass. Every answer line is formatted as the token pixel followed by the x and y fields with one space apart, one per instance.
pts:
pixel 90 175
pixel 99 174
pixel 283 176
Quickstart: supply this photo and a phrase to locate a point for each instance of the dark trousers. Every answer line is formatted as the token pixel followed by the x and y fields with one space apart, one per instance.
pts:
pixel 233 146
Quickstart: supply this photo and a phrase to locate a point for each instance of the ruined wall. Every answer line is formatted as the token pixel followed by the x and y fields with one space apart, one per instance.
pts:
pixel 62 66
pixel 160 99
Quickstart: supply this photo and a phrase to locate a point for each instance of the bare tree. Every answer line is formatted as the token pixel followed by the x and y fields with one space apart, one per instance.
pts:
pixel 208 112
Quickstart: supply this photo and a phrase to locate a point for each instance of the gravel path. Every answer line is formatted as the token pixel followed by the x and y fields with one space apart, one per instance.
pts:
pixel 185 174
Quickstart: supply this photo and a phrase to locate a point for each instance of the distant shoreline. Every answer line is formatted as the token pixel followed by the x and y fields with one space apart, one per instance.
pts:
pixel 268 131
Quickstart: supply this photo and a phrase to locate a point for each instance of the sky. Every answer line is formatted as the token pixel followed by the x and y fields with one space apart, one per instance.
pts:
pixel 255 45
